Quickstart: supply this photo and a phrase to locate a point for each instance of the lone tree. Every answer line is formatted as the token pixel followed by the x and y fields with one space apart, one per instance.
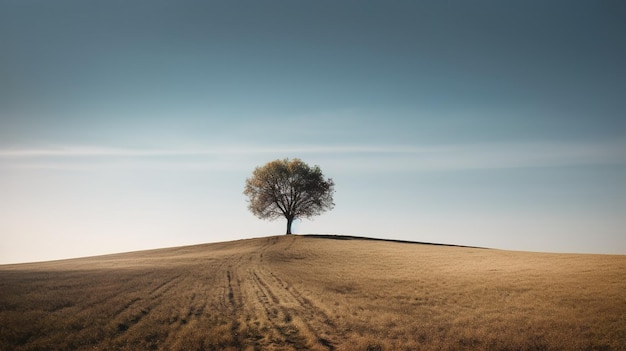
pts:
pixel 290 189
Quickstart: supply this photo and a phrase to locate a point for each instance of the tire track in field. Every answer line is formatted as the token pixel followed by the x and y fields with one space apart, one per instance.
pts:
pixel 142 306
pixel 231 293
pixel 234 306
pixel 293 302
pixel 303 300
pixel 279 319
pixel 164 287
pixel 282 310
pixel 308 309
pixel 195 308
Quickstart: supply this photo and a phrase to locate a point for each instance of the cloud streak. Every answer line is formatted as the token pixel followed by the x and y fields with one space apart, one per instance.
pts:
pixel 233 150
pixel 356 157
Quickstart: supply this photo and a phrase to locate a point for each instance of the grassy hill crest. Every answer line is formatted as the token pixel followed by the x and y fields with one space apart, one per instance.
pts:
pixel 319 293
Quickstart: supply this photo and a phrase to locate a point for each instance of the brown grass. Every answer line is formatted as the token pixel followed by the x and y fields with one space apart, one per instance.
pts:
pixel 301 293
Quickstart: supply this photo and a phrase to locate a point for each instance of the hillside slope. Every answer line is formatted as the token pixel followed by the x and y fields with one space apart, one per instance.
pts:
pixel 297 293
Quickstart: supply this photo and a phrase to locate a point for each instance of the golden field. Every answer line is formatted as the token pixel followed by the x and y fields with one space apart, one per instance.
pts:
pixel 316 293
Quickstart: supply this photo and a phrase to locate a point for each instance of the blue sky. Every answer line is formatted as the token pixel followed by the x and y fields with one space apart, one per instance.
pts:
pixel 128 125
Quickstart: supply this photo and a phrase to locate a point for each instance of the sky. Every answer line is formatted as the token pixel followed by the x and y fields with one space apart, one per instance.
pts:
pixel 130 125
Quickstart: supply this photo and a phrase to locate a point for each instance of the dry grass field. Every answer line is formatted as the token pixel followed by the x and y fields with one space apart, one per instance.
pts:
pixel 308 293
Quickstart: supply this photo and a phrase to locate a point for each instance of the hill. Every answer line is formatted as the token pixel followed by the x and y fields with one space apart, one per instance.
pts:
pixel 318 293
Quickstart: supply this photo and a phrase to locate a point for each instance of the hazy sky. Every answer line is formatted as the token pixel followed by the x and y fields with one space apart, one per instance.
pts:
pixel 128 125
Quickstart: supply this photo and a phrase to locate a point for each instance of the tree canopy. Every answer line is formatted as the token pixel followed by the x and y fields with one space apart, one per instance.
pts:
pixel 289 188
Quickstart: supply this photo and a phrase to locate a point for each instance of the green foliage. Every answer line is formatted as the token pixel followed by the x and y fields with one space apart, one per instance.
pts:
pixel 290 189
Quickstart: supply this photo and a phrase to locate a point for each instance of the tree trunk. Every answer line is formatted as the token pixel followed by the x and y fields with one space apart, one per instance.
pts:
pixel 289 221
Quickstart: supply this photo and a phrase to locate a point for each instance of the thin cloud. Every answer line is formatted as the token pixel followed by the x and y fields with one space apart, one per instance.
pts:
pixel 345 157
pixel 95 152
pixel 223 150
pixel 483 156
